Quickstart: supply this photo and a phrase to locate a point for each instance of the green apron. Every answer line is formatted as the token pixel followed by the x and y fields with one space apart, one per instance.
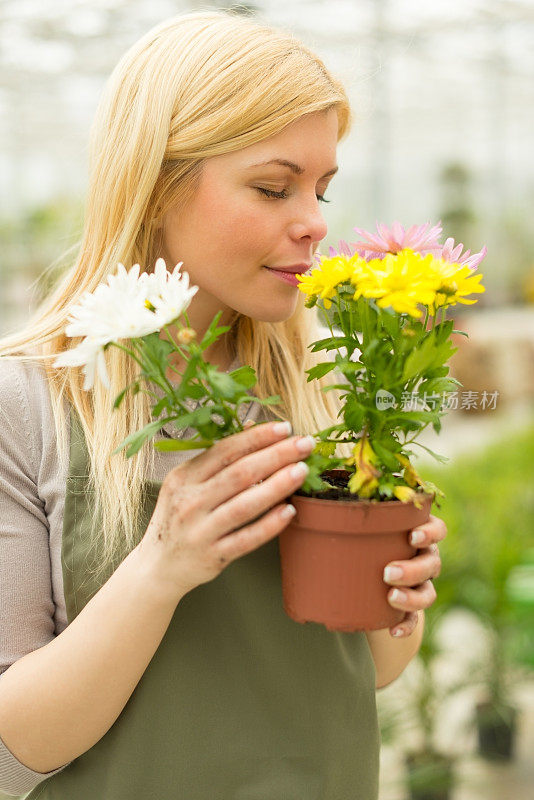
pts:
pixel 239 702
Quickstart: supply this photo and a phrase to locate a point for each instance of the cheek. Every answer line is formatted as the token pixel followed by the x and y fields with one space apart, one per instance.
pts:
pixel 238 225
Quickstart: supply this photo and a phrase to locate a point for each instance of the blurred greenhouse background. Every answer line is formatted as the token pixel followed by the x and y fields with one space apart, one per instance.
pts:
pixel 443 96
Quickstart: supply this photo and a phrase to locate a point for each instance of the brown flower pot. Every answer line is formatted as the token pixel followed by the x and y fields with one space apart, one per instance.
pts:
pixel 333 555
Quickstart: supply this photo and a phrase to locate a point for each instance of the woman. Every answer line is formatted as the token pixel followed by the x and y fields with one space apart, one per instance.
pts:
pixel 145 650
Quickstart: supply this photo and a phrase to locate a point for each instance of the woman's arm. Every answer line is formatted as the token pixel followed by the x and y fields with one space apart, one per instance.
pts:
pixel 58 701
pixel 413 592
pixel 391 656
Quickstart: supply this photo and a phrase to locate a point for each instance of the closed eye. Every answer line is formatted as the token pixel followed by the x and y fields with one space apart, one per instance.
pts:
pixel 283 194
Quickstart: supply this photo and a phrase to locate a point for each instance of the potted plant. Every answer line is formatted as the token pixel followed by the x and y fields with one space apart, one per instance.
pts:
pixel 390 294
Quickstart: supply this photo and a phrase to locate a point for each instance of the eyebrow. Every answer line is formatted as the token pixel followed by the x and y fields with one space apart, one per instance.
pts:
pixel 292 166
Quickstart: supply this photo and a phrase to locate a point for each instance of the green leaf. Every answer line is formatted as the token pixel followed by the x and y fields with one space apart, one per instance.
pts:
pixel 444 330
pixel 245 376
pixel 185 388
pixel 390 322
pixel 437 456
pixel 120 397
pixel 370 349
pixel 333 386
pixel 135 440
pixel 332 342
pixel 165 445
pixel 319 370
pixel 353 414
pixel 160 405
pixel 213 332
pixel 420 358
pixel 385 455
pixel 438 385
pixel 348 367
pixel 413 416
pixel 270 401
pixel 221 382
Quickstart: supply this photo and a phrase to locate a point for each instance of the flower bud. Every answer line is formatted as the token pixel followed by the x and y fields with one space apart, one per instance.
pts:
pixel 186 335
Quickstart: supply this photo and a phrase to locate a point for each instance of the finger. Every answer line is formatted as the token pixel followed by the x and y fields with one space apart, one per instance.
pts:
pixel 230 449
pixel 414 599
pixel 414 571
pixel 249 538
pixel 249 423
pixel 254 468
pixel 407 625
pixel 253 502
pixel 432 531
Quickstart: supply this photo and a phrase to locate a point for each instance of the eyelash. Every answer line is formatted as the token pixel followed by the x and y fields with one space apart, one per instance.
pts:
pixel 281 195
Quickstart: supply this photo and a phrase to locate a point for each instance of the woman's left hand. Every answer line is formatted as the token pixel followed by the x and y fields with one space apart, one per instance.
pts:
pixel 414 576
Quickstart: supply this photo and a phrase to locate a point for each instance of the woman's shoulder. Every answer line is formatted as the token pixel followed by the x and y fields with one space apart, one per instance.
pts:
pixel 22 383
pixel 26 415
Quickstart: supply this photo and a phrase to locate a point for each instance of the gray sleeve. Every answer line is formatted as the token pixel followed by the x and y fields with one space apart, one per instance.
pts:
pixel 26 604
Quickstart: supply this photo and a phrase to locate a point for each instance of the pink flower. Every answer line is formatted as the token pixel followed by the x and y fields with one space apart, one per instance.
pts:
pixel 454 255
pixel 344 248
pixel 419 238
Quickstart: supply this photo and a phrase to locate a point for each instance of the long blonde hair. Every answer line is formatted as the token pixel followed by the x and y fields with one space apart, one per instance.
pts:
pixel 195 86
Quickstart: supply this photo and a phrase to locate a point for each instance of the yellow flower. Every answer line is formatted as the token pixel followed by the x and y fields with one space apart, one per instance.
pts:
pixel 455 282
pixel 400 281
pixel 324 280
pixel 410 475
pixel 407 495
pixel 364 480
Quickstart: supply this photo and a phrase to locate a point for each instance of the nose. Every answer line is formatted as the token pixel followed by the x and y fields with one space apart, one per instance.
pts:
pixel 308 222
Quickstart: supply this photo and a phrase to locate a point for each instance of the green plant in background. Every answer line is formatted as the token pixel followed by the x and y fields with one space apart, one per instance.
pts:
pixel 489 512
pixel 413 713
pixel 29 244
pixel 458 212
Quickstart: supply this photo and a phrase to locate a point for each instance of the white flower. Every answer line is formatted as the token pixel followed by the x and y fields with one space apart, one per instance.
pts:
pixel 115 310
pixel 120 310
pixel 168 292
pixel 90 355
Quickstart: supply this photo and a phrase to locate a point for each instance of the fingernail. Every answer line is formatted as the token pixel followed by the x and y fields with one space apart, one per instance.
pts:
pixel 398 632
pixel 417 537
pixel 392 574
pixel 288 511
pixel 397 596
pixel 299 470
pixel 282 428
pixel 306 444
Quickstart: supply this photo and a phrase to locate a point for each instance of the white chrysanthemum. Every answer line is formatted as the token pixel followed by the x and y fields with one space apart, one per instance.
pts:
pixel 90 355
pixel 119 310
pixel 169 293
pixel 115 310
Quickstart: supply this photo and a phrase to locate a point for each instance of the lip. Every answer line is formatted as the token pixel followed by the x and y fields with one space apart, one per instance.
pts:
pixel 287 276
pixel 292 268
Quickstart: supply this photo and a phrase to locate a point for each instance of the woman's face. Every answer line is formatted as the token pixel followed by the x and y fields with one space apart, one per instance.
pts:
pixel 245 216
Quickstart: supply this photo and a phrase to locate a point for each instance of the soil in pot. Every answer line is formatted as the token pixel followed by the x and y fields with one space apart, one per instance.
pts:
pixel 334 551
pixel 430 775
pixel 496 727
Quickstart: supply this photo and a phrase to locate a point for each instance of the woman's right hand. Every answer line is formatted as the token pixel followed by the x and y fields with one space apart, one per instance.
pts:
pixel 221 505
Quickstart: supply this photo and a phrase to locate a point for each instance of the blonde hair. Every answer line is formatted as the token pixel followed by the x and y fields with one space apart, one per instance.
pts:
pixel 195 86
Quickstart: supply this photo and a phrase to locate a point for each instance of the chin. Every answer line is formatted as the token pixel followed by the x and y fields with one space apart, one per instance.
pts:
pixel 279 314
pixel 276 313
